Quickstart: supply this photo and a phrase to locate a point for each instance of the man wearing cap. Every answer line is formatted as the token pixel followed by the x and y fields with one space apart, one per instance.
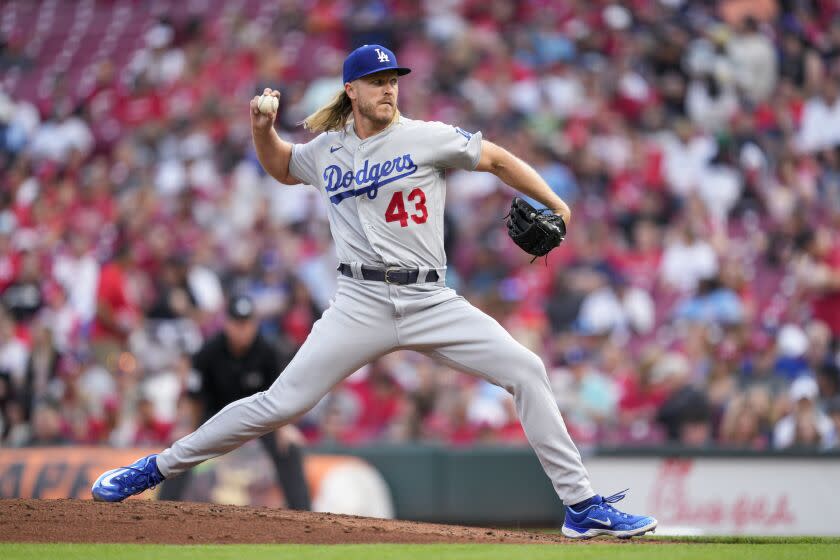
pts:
pixel 806 425
pixel 235 363
pixel 383 179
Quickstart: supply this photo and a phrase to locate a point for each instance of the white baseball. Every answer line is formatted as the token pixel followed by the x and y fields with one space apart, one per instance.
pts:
pixel 267 104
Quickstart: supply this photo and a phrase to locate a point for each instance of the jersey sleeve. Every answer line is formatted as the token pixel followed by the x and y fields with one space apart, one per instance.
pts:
pixel 303 163
pixel 455 147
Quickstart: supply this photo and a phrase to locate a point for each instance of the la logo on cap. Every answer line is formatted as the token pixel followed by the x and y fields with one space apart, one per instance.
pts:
pixel 383 57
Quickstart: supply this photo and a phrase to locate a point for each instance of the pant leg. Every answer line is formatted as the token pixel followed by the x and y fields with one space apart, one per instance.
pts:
pixel 356 329
pixel 460 335
pixel 288 465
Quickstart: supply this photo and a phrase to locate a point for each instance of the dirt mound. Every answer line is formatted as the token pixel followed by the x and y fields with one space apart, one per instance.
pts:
pixel 191 523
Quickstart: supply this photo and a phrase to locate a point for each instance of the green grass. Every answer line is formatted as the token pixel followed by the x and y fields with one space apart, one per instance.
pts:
pixel 701 548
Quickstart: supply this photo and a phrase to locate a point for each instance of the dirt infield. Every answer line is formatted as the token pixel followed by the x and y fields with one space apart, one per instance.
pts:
pixel 140 521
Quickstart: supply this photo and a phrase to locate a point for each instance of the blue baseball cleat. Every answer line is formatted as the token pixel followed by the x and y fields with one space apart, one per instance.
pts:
pixel 118 484
pixel 598 517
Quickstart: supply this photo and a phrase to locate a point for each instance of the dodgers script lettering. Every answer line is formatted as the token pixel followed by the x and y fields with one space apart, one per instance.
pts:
pixel 370 177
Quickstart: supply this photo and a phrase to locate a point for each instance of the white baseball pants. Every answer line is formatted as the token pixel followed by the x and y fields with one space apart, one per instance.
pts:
pixel 367 319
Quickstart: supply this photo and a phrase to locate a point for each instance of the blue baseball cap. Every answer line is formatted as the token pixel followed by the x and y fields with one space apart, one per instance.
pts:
pixel 369 59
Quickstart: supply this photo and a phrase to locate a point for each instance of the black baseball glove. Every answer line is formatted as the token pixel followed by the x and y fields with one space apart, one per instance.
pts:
pixel 537 232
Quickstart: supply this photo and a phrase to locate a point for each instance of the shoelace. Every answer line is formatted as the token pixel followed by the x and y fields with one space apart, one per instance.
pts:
pixel 140 480
pixel 617 497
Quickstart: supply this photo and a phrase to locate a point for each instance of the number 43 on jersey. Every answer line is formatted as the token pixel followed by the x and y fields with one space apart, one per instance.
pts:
pixel 396 211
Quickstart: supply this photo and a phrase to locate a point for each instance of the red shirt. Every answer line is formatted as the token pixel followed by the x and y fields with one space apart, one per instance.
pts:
pixel 462 435
pixel 139 109
pixel 9 267
pixel 298 322
pixel 512 432
pixel 640 268
pixel 112 292
pixel 635 399
pixel 378 407
pixel 826 307
pixel 154 432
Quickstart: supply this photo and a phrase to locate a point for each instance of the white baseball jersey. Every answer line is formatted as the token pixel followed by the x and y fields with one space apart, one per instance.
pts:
pixel 386 193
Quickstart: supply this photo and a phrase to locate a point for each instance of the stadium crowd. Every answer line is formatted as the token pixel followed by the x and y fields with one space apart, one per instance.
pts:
pixel 695 301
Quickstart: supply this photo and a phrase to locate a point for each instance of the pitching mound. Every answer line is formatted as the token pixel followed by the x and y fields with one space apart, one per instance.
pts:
pixel 141 521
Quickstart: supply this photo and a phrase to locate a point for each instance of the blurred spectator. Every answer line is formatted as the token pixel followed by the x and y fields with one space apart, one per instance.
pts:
pixel 41 371
pixel 641 394
pixel 687 260
pixel 299 314
pixel 792 345
pixel 828 382
pixel 821 119
pixel 834 413
pixel 754 60
pixel 117 308
pixel 805 426
pixel 712 303
pixel 817 270
pixel 204 284
pixel 685 413
pixel 23 297
pixel 151 429
pixel 13 352
pixel 175 298
pixel 64 322
pixel 711 101
pixel 743 425
pixel 47 429
pixel 640 262
pixel 379 400
pixel 7 400
pixel 77 270
pixel 586 396
pixel 65 133
pixel 686 156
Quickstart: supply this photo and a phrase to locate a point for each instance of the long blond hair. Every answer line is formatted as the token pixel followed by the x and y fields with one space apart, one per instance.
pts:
pixel 332 116
pixel 335 115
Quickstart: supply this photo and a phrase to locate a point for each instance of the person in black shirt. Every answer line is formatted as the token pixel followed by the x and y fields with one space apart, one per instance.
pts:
pixel 175 297
pixel 235 363
pixel 23 298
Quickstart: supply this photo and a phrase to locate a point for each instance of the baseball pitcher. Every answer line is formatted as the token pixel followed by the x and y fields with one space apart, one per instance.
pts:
pixel 382 175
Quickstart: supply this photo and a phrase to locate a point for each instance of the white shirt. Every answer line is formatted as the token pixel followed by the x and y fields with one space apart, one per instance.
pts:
pixel 79 276
pixel 820 126
pixel 684 164
pixel 683 266
pixel 13 358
